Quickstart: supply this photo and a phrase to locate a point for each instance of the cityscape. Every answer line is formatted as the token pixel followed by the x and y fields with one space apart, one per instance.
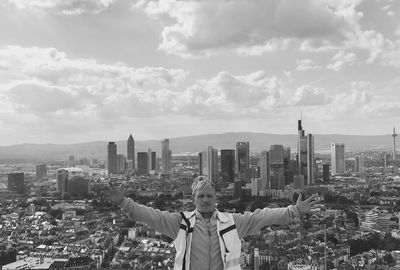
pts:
pixel 268 100
pixel 56 215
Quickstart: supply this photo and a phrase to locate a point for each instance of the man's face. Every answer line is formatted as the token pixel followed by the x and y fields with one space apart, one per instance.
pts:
pixel 205 199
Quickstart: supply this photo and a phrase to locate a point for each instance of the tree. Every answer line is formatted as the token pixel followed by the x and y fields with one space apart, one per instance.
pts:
pixel 388 258
pixel 56 213
pixel 7 256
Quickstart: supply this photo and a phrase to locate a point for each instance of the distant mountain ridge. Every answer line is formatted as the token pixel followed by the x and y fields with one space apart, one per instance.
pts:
pixel 193 144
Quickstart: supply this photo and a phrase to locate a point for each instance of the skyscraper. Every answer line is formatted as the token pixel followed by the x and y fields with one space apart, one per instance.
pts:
pixel 228 165
pixel 41 171
pixel 302 151
pixel 212 156
pixel 359 163
pixel 208 161
pixel 16 182
pixel 242 160
pixel 337 158
pixel 310 160
pixel 276 156
pixel 130 151
pixel 121 160
pixel 394 135
pixel 165 156
pixel 142 163
pixel 325 173
pixel 149 160
pixel 153 161
pixel 265 171
pixel 62 180
pixel 305 156
pixel 112 158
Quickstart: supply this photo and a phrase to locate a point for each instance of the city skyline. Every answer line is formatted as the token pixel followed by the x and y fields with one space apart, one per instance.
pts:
pixel 77 71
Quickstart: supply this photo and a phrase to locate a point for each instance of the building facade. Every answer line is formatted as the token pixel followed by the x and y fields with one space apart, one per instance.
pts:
pixel 142 163
pixel 311 168
pixel 337 158
pixel 16 182
pixel 242 160
pixel 41 171
pixel 265 172
pixel 112 158
pixel 130 151
pixel 165 157
pixel 228 165
pixel 277 171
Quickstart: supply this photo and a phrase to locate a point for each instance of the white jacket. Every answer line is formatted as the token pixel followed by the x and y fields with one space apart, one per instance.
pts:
pixel 229 241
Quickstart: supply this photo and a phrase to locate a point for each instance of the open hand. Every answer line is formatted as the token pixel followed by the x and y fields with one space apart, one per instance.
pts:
pixel 114 195
pixel 304 207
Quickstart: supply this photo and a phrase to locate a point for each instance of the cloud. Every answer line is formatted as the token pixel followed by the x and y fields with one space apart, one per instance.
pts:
pixel 204 27
pixel 306 64
pixel 307 96
pixel 64 7
pixel 46 83
pixel 39 99
pixel 55 68
pixel 341 60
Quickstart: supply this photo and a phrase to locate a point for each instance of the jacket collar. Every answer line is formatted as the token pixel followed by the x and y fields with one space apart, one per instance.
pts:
pixel 223 217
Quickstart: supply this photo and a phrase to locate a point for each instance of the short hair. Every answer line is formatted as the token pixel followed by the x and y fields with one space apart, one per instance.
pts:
pixel 200 182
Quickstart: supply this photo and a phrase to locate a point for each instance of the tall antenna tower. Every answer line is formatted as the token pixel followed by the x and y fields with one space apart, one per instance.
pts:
pixel 394 143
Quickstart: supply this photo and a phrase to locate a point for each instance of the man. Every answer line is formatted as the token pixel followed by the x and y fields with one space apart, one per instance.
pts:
pixel 206 239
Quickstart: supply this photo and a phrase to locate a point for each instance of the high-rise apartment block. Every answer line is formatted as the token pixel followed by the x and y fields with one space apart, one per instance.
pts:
pixel 165 156
pixel 16 182
pixel 112 158
pixel 41 171
pixel 130 152
pixel 337 158
pixel 228 165
pixel 243 161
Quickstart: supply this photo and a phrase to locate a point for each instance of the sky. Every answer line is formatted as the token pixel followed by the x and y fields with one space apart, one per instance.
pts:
pixel 87 70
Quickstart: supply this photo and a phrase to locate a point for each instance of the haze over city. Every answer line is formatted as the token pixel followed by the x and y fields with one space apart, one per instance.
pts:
pixel 79 71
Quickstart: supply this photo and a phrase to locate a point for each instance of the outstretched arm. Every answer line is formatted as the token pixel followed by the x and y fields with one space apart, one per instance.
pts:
pixel 162 221
pixel 252 222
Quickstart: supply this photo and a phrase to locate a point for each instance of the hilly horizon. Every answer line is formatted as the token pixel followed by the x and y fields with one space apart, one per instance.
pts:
pixel 193 144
